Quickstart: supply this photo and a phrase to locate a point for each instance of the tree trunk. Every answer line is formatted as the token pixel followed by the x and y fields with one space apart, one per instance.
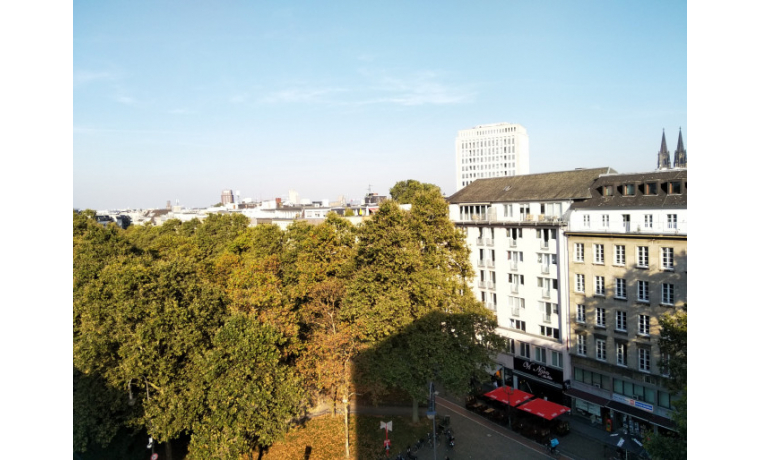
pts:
pixel 415 411
pixel 168 449
pixel 345 423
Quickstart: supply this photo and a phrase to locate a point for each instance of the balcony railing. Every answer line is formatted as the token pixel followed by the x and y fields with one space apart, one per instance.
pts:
pixel 515 288
pixel 546 293
pixel 489 263
pixel 512 243
pixel 481 263
pixel 489 242
pixel 513 265
pixel 482 284
pixel 547 318
pixel 544 244
pixel 479 241
pixel 516 311
pixel 545 269
pixel 490 285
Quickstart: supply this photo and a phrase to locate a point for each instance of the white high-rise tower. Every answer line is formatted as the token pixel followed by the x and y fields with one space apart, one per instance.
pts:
pixel 495 150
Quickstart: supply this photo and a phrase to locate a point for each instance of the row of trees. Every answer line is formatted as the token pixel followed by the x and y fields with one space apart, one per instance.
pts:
pixel 228 332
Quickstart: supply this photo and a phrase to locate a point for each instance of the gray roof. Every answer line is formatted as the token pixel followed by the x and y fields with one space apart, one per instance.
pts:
pixel 661 200
pixel 562 185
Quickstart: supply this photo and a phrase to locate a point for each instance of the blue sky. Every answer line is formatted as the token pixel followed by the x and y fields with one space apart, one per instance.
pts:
pixel 180 100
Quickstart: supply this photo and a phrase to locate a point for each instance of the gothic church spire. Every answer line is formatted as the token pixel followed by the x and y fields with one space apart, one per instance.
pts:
pixel 679 156
pixel 663 156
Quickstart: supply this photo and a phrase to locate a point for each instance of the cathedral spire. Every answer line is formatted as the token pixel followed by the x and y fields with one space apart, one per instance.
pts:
pixel 663 156
pixel 679 156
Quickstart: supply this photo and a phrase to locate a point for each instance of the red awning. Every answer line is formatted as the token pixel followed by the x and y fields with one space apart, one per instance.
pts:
pixel 544 408
pixel 509 395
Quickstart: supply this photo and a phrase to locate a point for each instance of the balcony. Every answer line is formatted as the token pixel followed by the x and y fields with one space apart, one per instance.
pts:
pixel 479 241
pixel 545 269
pixel 490 285
pixel 516 312
pixel 489 263
pixel 544 244
pixel 491 306
pixel 482 284
pixel 547 318
pixel 481 263
pixel 546 293
pixel 513 265
pixel 512 243
pixel 489 242
pixel 514 288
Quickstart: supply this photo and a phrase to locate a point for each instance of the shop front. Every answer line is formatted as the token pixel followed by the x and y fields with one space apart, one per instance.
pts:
pixel 538 379
pixel 591 407
pixel 635 416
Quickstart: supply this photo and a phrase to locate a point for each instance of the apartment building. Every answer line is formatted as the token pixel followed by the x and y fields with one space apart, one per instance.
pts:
pixel 494 150
pixel 627 267
pixel 515 227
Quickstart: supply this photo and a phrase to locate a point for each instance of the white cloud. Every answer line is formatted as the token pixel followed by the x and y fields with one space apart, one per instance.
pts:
pixel 83 77
pixel 296 95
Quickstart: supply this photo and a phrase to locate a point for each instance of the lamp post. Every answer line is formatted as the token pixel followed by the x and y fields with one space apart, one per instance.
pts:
pixel 431 414
pixel 151 444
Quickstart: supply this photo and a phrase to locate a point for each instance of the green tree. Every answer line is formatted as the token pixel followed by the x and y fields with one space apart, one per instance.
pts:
pixel 250 395
pixel 673 346
pixel 403 191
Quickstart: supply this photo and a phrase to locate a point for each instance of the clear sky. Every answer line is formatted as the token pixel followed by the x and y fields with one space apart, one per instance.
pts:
pixel 180 100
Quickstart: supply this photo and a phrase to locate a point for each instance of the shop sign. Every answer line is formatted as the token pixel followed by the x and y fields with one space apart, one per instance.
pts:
pixel 539 370
pixel 633 402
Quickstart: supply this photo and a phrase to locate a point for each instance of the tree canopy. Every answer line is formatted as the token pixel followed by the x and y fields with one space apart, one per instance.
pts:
pixel 226 332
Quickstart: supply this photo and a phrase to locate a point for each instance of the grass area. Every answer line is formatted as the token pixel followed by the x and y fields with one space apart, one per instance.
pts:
pixel 322 438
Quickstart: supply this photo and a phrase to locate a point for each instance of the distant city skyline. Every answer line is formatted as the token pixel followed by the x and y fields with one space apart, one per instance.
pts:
pixel 178 101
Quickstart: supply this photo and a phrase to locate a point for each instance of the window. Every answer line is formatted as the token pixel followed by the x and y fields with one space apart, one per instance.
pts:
pixel 620 289
pixel 644 324
pixel 667 258
pixel 667 294
pixel 580 313
pixel 650 188
pixel 580 283
pixel 673 221
pixel 599 285
pixel 579 249
pixel 510 346
pixel 525 350
pixel 633 390
pixel 607 190
pixel 552 332
pixel 664 400
pixel 643 291
pixel 586 220
pixel 674 188
pixel 599 254
pixel 621 353
pixel 644 360
pixel 619 254
pixel 605 220
pixel 629 190
pixel 517 324
pixel 581 346
pixel 621 318
pixel 664 364
pixel 591 378
pixel 601 317
pixel 642 260
pixel 601 349
pixel 556 359
pixel 647 221
pixel 541 355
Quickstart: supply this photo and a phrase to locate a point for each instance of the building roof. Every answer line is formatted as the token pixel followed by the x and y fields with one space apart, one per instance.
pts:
pixel 562 185
pixel 639 200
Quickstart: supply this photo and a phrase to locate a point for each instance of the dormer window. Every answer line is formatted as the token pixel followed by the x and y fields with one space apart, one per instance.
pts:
pixel 629 190
pixel 607 190
pixel 674 188
pixel 650 188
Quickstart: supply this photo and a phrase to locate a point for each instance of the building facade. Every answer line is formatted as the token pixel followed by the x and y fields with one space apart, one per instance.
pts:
pixel 494 150
pixel 627 268
pixel 515 228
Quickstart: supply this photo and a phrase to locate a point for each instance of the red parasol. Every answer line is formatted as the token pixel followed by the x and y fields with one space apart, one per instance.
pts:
pixel 509 395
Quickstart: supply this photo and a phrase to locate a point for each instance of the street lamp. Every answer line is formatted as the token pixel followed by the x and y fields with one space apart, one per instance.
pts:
pixel 131 402
pixel 431 414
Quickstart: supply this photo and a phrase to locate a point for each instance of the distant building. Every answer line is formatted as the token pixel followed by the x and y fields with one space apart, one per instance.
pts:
pixel 227 197
pixel 495 150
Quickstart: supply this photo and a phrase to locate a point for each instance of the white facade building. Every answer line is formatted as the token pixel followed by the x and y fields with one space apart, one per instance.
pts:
pixel 515 229
pixel 494 150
